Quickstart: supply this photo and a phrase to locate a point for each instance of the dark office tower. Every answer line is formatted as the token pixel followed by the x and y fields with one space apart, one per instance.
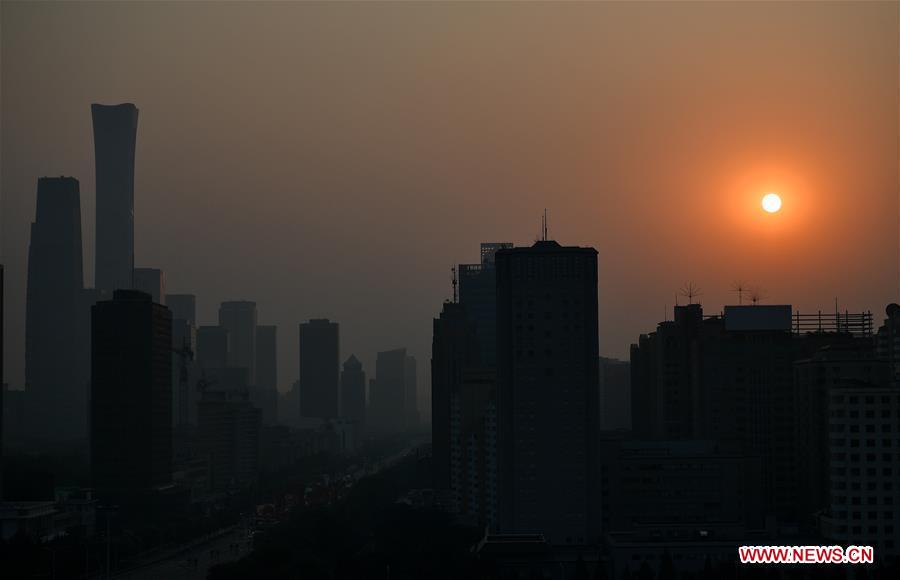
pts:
pixel 548 398
pixel 183 307
pixel 239 319
pixel 151 281
pixel 212 347
pixel 478 293
pixel 265 393
pixel 115 134
pixel 453 349
pixel 353 391
pixel 55 378
pixel 412 393
pixel 388 395
pixel 319 368
pixel 131 395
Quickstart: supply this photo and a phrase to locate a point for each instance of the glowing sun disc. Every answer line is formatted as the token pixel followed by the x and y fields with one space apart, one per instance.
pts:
pixel 771 202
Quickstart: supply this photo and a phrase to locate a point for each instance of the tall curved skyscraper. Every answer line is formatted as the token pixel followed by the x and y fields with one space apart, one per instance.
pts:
pixel 115 134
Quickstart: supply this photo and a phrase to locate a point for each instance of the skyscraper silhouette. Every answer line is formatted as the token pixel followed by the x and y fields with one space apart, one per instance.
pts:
pixel 478 293
pixel 454 348
pixel 131 395
pixel 548 406
pixel 265 393
pixel 183 306
pixel 152 281
pixel 55 375
pixel 212 347
pixel 239 319
pixel 319 368
pixel 387 399
pixel 411 382
pixel 115 135
pixel 353 391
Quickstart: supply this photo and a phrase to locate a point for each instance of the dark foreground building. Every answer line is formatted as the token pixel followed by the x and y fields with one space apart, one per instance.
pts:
pixel 454 348
pixel 548 407
pixel 131 395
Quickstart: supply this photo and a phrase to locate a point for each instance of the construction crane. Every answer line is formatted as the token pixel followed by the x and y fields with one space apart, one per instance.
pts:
pixel 186 355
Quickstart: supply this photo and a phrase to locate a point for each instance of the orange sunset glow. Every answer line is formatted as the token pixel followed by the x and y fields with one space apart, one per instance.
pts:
pixel 650 131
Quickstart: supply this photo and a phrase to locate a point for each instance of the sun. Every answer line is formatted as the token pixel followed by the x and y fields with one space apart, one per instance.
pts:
pixel 771 202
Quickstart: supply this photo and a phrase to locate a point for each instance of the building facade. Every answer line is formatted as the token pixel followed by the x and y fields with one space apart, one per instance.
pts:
pixel 239 318
pixel 131 395
pixel 115 137
pixel 548 401
pixel 319 369
pixel 57 367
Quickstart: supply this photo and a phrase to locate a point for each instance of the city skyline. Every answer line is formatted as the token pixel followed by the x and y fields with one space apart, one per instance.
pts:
pixel 381 141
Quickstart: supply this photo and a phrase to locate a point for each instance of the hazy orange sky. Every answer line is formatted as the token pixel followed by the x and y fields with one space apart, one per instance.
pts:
pixel 333 160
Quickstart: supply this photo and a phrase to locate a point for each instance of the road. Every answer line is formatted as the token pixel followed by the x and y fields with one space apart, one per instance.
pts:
pixel 194 562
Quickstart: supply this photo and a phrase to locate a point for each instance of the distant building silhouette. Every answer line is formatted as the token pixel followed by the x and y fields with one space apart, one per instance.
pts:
pixel 265 393
pixel 131 395
pixel 548 407
pixel 289 406
pixel 454 348
pixel 478 293
pixel 152 281
pixel 353 391
pixel 229 436
pixel 387 395
pixel 115 135
pixel 615 394
pixel 239 319
pixel 183 306
pixel 412 393
pixel 212 347
pixel 319 368
pixel 56 365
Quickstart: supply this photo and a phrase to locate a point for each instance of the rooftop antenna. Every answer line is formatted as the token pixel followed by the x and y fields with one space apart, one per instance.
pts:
pixel 544 229
pixel 690 291
pixel 453 281
pixel 756 295
pixel 740 287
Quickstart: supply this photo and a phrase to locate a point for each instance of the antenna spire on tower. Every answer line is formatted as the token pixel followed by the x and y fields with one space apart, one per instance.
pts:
pixel 544 226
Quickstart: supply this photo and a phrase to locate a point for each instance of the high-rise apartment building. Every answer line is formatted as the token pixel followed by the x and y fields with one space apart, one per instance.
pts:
pixel 548 402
